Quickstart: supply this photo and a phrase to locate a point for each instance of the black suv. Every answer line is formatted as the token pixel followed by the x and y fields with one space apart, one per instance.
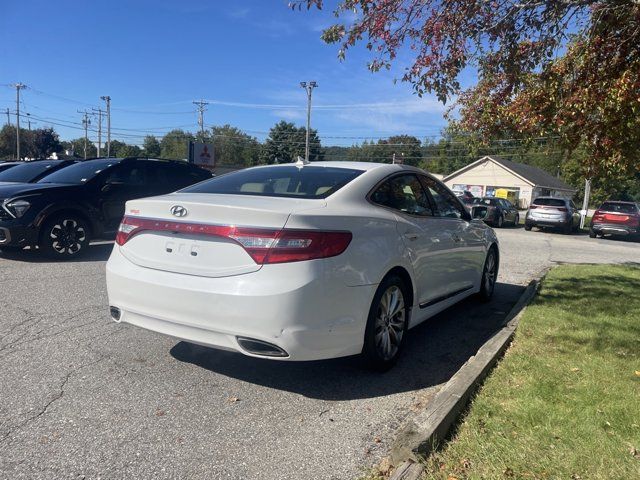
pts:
pixel 30 172
pixel 64 210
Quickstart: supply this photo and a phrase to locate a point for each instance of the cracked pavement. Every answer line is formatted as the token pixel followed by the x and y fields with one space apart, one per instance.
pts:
pixel 83 397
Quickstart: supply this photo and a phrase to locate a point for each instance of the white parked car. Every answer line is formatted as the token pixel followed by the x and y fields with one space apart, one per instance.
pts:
pixel 300 262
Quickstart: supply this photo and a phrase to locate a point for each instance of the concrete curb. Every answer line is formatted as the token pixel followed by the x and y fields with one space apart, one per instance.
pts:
pixel 424 431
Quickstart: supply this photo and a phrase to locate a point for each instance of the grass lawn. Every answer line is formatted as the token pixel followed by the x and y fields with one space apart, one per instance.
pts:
pixel 564 402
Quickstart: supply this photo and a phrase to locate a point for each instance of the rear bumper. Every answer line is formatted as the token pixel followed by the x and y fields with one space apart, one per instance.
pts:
pixel 304 308
pixel 535 221
pixel 615 229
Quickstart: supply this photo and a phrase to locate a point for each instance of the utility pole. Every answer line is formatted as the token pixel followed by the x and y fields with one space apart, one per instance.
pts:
pixel 100 112
pixel 201 109
pixel 85 123
pixel 8 118
pixel 107 99
pixel 29 120
pixel 309 89
pixel 19 86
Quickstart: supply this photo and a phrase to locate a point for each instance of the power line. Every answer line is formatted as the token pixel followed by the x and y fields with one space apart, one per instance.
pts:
pixel 201 109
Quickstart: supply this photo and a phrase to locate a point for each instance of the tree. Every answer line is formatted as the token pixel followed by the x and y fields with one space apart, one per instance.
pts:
pixel 566 68
pixel 126 150
pixel 75 148
pixel 38 143
pixel 151 147
pixel 175 144
pixel 233 147
pixel 286 142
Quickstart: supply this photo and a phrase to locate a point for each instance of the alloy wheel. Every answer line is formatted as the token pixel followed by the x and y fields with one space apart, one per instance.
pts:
pixel 67 236
pixel 489 277
pixel 390 322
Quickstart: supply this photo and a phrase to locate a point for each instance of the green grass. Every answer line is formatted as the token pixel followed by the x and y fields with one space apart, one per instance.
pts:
pixel 564 402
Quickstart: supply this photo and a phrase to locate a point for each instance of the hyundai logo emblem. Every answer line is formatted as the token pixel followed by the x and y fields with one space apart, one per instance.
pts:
pixel 178 211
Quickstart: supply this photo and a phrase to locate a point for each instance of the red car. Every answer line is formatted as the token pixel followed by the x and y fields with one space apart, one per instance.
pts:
pixel 616 218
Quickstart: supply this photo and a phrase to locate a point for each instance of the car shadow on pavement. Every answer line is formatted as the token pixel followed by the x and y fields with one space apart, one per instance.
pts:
pixel 95 253
pixel 435 350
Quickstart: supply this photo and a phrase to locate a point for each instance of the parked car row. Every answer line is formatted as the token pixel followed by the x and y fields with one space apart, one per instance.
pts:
pixel 60 206
pixel 612 218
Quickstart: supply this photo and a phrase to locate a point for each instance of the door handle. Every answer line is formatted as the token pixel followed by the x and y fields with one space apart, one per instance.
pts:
pixel 411 236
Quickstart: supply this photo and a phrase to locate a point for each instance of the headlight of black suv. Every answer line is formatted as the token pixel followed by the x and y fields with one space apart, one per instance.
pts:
pixel 17 208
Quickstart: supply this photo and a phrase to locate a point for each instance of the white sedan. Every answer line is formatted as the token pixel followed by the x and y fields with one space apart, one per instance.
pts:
pixel 300 261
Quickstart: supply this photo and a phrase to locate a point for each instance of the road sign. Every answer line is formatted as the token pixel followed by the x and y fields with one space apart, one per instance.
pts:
pixel 202 154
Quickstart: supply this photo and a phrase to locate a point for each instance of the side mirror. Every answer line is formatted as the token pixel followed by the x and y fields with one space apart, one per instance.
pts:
pixel 478 211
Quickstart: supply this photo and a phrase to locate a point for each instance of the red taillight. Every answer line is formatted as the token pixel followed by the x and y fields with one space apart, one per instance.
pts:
pixel 263 245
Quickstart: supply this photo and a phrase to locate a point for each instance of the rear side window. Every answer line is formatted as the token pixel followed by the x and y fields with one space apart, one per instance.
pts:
pixel 628 208
pixel 280 181
pixel 175 176
pixel 403 193
pixel 550 202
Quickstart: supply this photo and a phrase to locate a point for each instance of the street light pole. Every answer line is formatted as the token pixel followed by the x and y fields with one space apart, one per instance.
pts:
pixel 309 89
pixel 99 113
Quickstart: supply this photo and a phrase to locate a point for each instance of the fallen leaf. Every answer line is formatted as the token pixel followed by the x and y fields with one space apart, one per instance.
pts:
pixel 508 472
pixel 377 439
pixel 159 413
pixel 575 369
pixel 637 373
pixel 466 463
pixel 233 399
pixel 385 466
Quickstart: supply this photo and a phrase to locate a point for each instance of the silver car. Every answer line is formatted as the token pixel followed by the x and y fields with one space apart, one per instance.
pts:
pixel 551 212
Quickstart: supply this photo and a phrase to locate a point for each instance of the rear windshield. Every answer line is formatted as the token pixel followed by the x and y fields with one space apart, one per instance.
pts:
pixel 277 181
pixel 628 208
pixel 80 172
pixel 27 172
pixel 551 202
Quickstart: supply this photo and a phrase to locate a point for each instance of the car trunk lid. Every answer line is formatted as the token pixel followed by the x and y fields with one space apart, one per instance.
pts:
pixel 201 234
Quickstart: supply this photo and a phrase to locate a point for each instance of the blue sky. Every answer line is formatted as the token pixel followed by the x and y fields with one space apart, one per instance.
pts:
pixel 154 57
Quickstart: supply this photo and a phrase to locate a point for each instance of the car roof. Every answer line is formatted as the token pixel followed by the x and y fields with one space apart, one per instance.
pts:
pixel 363 166
pixel 625 202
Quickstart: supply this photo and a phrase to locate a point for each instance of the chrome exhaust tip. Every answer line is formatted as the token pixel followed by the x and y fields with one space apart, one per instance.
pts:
pixel 258 347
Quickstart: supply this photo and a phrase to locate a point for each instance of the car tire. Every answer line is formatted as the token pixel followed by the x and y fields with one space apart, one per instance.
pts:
pixel 64 236
pixel 528 227
pixel 386 325
pixel 568 229
pixel 516 220
pixel 500 221
pixel 489 275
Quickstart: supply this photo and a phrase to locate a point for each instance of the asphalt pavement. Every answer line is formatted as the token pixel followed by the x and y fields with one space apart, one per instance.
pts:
pixel 83 397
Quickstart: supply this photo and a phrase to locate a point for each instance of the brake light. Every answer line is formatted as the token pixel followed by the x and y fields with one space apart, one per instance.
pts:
pixel 265 246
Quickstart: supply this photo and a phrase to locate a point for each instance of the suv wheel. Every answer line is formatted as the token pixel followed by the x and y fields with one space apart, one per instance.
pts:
pixel 489 276
pixel 500 221
pixel 386 325
pixel 528 227
pixel 64 236
pixel 568 229
pixel 516 221
pixel 592 234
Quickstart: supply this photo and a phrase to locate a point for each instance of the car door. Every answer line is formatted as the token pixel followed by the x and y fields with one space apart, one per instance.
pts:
pixel 466 257
pixel 575 213
pixel 428 247
pixel 123 182
pixel 510 211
